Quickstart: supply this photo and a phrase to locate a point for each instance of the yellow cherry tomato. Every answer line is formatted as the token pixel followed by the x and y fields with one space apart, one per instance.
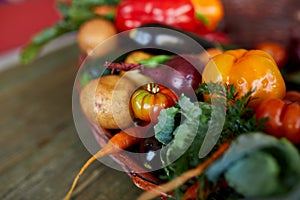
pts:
pixel 247 70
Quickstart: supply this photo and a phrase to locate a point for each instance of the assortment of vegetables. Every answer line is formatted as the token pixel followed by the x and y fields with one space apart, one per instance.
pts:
pixel 209 147
pixel 96 20
pixel 220 124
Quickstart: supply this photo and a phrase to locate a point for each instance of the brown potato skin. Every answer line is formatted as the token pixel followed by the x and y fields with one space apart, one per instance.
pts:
pixel 105 101
pixel 87 100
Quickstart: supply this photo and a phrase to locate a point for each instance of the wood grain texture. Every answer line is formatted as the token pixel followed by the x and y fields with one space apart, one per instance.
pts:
pixel 40 149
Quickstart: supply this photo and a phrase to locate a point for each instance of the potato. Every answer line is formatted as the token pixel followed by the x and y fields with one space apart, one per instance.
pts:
pixel 137 77
pixel 93 33
pixel 87 100
pixel 137 56
pixel 106 101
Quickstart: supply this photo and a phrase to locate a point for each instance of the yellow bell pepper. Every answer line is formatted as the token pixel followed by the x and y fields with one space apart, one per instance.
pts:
pixel 247 70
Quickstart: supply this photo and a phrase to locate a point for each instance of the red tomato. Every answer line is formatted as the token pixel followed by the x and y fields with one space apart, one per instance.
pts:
pixel 292 96
pixel 148 100
pixel 276 50
pixel 283 117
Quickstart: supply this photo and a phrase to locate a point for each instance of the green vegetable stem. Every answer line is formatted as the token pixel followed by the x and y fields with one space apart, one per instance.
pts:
pixel 154 61
pixel 75 14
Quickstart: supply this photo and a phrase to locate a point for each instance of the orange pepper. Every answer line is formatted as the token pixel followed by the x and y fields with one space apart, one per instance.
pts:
pixel 247 70
pixel 211 12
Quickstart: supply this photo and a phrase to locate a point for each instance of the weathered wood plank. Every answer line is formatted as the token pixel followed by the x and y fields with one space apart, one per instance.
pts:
pixel 40 149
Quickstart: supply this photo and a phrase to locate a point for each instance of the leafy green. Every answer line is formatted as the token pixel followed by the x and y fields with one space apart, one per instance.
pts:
pixel 74 15
pixel 239 117
pixel 165 126
pixel 185 133
pixel 91 3
pixel 154 61
pixel 243 145
pixel 260 169
pixel 276 161
pixel 180 154
pixel 204 126
pixel 80 14
pixel 29 53
pixel 218 114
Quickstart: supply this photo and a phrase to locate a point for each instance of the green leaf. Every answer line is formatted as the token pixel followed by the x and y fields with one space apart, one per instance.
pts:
pixel 190 110
pixel 29 53
pixel 217 120
pixel 185 133
pixel 154 61
pixel 90 3
pixel 46 35
pixel 242 146
pixel 164 128
pixel 81 14
pixel 260 169
pixel 258 151
pixel 202 17
pixel 63 8
pixel 109 16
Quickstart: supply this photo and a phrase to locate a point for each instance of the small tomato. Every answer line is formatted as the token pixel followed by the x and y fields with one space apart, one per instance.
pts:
pixel 148 100
pixel 247 70
pixel 276 50
pixel 283 117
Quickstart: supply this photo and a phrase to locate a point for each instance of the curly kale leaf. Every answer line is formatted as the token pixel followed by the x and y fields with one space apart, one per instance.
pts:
pixel 271 165
pixel 165 126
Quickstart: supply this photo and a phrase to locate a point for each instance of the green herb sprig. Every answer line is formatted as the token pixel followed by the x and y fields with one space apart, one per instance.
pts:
pixel 240 116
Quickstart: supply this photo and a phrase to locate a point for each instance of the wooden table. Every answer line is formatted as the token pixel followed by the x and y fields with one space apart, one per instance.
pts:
pixel 40 149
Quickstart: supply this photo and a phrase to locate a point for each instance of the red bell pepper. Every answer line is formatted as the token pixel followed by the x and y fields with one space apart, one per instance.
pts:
pixel 134 13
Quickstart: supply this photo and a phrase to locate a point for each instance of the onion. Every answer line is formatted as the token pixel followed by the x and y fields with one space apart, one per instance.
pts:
pixel 182 73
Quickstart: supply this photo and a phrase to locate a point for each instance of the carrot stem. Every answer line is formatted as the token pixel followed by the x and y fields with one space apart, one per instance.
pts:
pixel 118 142
pixel 171 185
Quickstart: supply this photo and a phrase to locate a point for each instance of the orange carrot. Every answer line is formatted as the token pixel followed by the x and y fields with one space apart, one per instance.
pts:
pixel 191 192
pixel 146 185
pixel 117 143
pixel 171 185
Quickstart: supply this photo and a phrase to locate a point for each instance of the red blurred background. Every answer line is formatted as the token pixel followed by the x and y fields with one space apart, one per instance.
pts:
pixel 21 19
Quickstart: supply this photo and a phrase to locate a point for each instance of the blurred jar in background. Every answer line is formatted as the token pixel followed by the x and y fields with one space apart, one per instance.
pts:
pixel 249 22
